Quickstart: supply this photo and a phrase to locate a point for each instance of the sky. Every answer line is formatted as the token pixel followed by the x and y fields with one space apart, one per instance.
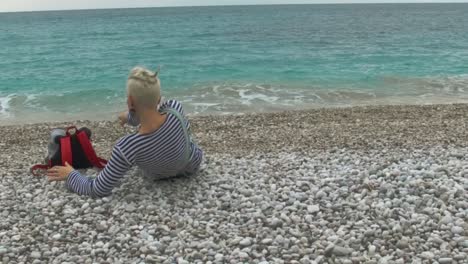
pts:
pixel 35 5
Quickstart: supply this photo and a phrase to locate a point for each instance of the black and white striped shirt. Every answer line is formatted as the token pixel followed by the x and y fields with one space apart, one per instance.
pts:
pixel 157 154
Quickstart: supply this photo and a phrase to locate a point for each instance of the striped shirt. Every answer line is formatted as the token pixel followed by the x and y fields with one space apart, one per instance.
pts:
pixel 157 154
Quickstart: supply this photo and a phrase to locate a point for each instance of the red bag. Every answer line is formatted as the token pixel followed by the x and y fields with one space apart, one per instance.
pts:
pixel 74 148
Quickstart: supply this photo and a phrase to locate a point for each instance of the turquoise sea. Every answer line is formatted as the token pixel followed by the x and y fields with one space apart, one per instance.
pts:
pixel 217 60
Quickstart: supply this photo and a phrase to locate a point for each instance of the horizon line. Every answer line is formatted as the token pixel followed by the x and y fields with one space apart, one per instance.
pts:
pixel 233 5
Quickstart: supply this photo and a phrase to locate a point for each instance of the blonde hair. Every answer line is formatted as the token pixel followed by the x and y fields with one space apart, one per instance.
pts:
pixel 144 87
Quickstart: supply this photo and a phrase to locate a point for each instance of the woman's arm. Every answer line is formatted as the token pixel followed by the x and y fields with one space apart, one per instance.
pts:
pixel 123 118
pixel 128 117
pixel 107 179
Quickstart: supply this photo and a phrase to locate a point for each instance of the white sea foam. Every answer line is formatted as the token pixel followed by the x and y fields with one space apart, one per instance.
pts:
pixel 5 104
pixel 31 97
pixel 247 96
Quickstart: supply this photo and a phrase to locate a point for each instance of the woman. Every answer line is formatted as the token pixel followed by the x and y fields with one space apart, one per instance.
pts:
pixel 161 148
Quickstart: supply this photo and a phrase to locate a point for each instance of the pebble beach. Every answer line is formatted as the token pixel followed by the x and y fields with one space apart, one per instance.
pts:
pixel 377 184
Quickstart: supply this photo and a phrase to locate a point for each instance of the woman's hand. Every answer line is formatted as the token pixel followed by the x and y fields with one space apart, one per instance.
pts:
pixel 59 173
pixel 123 118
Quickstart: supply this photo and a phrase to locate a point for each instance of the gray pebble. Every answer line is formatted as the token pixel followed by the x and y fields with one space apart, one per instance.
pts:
pixel 445 260
pixel 35 254
pixel 457 230
pixel 245 242
pixel 427 255
pixel 3 250
pixel 313 209
pixel 337 250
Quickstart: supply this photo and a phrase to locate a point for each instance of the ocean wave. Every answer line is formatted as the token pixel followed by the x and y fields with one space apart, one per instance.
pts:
pixel 251 97
pixel 232 98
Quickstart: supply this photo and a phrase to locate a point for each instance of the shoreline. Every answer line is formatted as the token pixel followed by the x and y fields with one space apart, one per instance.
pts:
pixel 353 127
pixel 26 119
pixel 369 184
